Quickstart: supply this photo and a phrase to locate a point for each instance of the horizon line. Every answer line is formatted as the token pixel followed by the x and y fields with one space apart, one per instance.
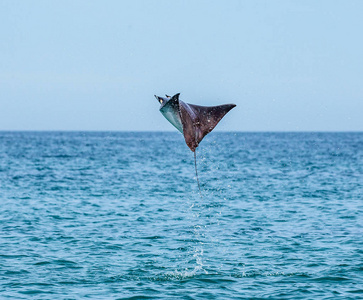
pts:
pixel 172 131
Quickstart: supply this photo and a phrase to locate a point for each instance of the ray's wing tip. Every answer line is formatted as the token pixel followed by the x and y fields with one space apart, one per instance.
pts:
pixel 231 105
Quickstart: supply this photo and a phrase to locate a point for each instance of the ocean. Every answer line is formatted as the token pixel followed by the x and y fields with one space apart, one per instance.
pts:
pixel 118 215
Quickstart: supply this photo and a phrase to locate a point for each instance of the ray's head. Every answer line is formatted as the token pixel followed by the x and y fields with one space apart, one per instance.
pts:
pixel 162 100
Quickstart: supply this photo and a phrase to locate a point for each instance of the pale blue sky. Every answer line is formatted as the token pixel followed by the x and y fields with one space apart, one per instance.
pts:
pixel 95 65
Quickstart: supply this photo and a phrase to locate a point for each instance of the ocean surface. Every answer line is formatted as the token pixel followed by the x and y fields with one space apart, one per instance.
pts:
pixel 118 215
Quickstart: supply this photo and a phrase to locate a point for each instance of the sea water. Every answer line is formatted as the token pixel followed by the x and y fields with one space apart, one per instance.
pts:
pixel 118 215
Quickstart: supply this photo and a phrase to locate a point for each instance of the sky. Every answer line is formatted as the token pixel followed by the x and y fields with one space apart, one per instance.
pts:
pixel 95 65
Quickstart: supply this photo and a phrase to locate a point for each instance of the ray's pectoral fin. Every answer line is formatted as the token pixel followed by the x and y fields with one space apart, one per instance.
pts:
pixel 198 121
pixel 209 117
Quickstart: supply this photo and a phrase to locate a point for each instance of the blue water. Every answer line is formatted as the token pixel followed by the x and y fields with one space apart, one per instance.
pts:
pixel 119 216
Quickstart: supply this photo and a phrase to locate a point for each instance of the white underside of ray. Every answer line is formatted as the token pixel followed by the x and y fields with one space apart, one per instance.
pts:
pixel 172 115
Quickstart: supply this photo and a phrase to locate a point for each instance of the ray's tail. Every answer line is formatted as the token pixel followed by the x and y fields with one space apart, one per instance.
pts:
pixel 196 171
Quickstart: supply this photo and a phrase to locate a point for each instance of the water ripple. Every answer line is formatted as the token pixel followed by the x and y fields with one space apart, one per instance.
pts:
pixel 118 216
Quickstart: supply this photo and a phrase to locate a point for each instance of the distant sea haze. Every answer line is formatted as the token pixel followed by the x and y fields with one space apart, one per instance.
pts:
pixel 118 215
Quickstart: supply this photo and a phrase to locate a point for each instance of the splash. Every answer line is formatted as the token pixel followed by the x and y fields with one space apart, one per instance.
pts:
pixel 197 260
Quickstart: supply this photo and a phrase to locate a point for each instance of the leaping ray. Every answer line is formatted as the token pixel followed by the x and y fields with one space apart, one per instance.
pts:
pixel 193 121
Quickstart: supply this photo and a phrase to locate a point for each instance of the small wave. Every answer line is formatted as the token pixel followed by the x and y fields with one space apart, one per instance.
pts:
pixel 330 278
